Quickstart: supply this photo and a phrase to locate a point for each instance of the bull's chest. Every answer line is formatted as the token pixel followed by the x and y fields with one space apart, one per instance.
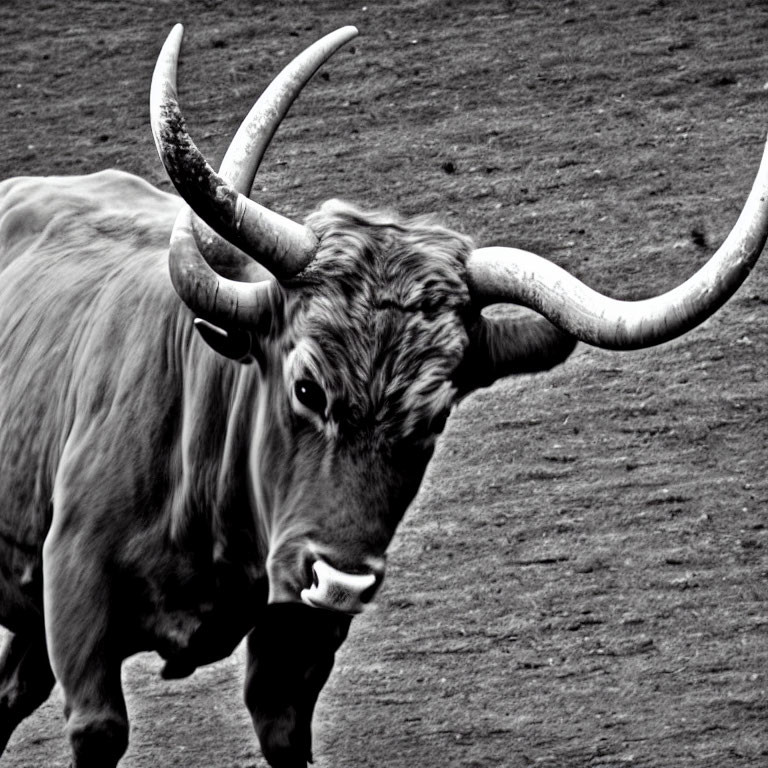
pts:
pixel 193 615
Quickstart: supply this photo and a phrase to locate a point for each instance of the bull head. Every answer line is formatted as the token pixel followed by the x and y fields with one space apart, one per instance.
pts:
pixel 376 326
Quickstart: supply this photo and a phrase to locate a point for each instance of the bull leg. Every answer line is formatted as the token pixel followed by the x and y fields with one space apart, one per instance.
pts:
pixel 26 681
pixel 290 656
pixel 86 651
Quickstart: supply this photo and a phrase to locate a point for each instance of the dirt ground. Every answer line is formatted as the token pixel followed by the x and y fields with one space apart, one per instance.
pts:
pixel 583 579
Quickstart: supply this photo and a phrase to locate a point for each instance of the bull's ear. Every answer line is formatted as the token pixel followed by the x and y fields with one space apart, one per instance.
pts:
pixel 504 346
pixel 235 344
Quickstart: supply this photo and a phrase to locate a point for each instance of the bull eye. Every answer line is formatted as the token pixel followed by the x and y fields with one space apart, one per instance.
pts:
pixel 311 395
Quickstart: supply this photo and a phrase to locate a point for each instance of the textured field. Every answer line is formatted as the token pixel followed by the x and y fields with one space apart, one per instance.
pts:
pixel 583 580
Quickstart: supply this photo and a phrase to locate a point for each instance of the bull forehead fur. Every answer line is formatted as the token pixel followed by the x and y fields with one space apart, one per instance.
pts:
pixel 378 318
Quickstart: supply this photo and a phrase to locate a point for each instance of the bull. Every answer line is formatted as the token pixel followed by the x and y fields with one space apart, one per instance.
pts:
pixel 213 417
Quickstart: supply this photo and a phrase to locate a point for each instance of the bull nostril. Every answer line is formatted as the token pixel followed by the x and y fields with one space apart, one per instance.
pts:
pixel 377 571
pixel 367 594
pixel 315 577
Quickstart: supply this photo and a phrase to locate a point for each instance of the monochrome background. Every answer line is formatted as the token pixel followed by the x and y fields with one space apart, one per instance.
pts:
pixel 583 579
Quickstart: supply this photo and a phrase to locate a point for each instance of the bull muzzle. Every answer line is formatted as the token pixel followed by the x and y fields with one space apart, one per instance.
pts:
pixel 339 591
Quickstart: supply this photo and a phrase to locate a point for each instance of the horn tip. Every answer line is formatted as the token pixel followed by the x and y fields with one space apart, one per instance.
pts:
pixel 348 32
pixel 176 33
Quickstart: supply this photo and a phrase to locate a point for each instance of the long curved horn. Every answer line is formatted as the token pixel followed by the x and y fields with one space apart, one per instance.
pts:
pixel 281 245
pixel 509 275
pixel 209 295
pixel 243 157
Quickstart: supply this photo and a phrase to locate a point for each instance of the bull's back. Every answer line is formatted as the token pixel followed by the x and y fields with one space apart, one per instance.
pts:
pixel 113 202
pixel 86 310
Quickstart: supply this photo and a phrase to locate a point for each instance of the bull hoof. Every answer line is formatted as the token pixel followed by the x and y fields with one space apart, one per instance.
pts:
pixel 283 744
pixel 99 744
